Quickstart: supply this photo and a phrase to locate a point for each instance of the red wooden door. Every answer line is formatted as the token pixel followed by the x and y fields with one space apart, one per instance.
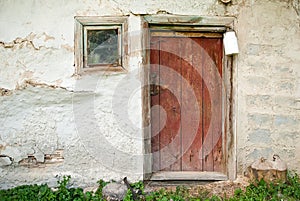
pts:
pixel 186 102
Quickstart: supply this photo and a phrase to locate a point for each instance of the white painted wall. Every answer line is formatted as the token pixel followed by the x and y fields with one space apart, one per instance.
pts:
pixel 98 123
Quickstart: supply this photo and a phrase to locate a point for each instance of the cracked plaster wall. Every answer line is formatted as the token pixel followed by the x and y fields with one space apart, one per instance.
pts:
pixel 45 108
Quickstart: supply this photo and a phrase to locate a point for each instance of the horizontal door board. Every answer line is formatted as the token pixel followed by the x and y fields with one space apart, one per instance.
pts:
pixel 185 34
pixel 188 176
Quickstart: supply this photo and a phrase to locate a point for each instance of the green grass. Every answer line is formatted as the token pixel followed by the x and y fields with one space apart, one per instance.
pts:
pixel 256 191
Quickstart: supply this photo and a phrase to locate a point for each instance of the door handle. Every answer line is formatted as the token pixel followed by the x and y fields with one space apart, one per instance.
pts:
pixel 154 87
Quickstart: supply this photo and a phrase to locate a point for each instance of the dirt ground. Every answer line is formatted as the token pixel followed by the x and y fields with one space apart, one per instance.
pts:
pixel 220 188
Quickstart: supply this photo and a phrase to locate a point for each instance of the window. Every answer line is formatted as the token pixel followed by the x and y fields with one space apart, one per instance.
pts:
pixel 102 46
pixel 100 43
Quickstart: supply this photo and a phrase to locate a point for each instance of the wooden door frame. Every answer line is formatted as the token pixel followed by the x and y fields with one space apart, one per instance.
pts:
pixel 191 23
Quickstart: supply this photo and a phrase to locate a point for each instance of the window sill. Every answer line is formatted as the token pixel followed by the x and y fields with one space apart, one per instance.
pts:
pixel 102 69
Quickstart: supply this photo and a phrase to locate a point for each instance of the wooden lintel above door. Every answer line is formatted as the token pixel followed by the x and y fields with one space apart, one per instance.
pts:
pixel 165 33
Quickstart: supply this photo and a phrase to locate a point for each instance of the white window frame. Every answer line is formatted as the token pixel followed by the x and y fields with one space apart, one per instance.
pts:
pixel 82 25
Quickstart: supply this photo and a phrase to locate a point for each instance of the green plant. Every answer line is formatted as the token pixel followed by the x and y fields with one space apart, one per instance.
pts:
pixel 260 190
pixel 44 193
pixel 180 194
pixel 101 183
pixel 256 191
pixel 138 187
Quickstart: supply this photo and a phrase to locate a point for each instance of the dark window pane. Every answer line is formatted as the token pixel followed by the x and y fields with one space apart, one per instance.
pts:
pixel 102 46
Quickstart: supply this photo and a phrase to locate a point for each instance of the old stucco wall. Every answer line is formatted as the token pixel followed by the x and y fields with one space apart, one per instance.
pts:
pixel 46 108
pixel 268 82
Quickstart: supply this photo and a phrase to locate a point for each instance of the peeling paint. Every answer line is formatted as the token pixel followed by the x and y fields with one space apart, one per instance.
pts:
pixel 5 160
pixel 34 84
pixel 68 47
pixel 296 5
pixel 5 92
pixel 20 42
pixel 31 161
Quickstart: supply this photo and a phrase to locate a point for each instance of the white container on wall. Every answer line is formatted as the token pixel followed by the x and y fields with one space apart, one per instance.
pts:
pixel 230 43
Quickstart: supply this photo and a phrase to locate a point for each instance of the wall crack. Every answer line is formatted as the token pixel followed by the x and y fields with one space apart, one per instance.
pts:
pixel 296 6
pixel 33 83
pixel 20 41
pixel 33 40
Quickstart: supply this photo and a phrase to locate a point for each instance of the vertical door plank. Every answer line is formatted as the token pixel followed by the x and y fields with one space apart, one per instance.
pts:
pixel 212 104
pixel 217 52
pixel 154 79
pixel 207 136
pixel 170 98
pixel 191 105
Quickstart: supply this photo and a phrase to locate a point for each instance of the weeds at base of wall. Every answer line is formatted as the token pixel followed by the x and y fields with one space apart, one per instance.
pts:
pixel 258 190
pixel 44 192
